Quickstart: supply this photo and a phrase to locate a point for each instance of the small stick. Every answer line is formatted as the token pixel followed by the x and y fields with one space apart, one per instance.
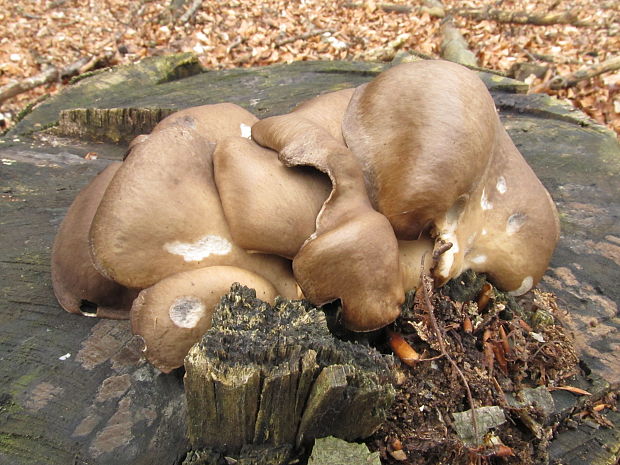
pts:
pixel 572 79
pixel 424 281
pixel 190 11
pixel 14 88
pixel 304 36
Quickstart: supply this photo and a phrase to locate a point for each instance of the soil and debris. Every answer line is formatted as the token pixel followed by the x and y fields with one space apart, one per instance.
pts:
pixel 508 353
pixel 473 370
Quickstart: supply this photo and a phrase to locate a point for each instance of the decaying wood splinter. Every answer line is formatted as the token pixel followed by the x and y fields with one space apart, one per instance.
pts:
pixel 338 199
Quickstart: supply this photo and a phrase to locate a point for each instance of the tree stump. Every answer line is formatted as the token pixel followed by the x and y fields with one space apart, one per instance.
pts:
pixel 104 405
pixel 275 375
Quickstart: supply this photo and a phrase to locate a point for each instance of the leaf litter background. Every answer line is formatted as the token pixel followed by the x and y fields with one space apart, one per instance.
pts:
pixel 35 35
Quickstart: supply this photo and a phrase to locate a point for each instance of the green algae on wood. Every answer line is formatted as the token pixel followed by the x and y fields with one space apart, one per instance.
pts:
pixel 334 451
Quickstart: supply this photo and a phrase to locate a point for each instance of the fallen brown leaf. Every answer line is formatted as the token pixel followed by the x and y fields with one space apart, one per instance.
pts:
pixel 574 390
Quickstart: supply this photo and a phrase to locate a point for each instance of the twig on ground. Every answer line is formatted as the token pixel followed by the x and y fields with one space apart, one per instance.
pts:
pixel 304 36
pixel 520 17
pixel 436 9
pixel 549 58
pixel 426 284
pixel 387 52
pixel 185 17
pixel 234 44
pixel 387 7
pixel 570 80
pixel 454 47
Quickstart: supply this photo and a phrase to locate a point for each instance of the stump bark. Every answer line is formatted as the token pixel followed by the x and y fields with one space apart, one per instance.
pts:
pixel 274 375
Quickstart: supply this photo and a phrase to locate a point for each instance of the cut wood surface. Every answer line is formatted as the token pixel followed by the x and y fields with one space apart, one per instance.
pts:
pixel 75 391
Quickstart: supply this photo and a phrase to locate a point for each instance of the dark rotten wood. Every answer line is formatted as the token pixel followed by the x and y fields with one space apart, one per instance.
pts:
pixel 266 375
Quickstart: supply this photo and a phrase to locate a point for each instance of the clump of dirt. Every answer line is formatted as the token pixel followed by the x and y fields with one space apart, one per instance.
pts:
pixel 477 347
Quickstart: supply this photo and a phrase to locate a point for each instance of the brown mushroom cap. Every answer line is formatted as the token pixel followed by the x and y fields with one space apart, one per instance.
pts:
pixel 327 111
pixel 162 214
pixel 353 253
pixel 215 122
pixel 424 146
pixel 270 208
pixel 172 315
pixel 508 228
pixel 435 155
pixel 75 280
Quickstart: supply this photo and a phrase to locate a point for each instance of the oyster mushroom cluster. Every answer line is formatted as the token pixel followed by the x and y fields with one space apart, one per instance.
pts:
pixel 339 199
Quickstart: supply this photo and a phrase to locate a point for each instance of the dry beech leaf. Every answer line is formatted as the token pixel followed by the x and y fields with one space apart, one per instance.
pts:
pixel 574 390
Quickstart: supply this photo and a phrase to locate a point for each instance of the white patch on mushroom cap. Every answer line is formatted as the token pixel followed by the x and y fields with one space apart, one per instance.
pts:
pixel 186 311
pixel 246 131
pixel 484 232
pixel 484 201
pixel 478 259
pixel 501 185
pixel 202 248
pixel 525 286
pixel 515 223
